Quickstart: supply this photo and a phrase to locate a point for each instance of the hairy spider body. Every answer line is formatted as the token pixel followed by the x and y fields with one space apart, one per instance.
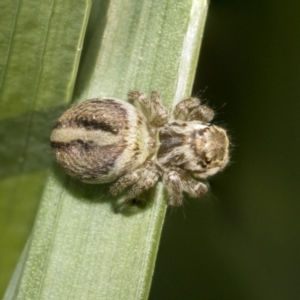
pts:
pixel 109 140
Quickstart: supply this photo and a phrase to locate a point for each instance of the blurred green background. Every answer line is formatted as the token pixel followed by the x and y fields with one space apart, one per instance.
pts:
pixel 243 241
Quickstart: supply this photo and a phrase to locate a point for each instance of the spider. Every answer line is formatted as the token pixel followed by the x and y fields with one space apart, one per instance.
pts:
pixel 109 140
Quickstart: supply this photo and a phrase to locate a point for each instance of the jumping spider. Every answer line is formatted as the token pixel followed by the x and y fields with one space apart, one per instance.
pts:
pixel 106 140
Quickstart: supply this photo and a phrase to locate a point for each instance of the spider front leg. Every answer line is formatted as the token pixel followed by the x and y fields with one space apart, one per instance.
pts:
pixel 191 109
pixel 193 188
pixel 158 114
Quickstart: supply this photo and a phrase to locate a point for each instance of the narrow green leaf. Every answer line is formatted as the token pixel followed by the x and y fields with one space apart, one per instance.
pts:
pixel 40 44
pixel 79 248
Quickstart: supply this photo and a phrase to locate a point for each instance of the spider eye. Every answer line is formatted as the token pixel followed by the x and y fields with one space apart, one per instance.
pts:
pixel 202 164
pixel 208 160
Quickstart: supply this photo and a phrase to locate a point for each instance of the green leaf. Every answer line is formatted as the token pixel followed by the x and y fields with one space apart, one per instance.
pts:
pixel 80 249
pixel 40 45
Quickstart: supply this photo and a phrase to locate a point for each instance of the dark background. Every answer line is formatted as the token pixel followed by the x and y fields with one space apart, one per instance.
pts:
pixel 243 242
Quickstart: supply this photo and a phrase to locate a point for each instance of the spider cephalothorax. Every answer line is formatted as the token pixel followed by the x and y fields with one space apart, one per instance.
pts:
pixel 109 140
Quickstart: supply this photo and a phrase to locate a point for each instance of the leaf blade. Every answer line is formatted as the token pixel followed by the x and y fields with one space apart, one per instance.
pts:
pixel 35 86
pixel 80 249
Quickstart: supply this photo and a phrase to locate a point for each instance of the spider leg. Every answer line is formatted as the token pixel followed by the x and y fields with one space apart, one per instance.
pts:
pixel 193 188
pixel 147 179
pixel 173 184
pixel 158 114
pixel 143 100
pixel 161 113
pixel 191 109
pixel 124 181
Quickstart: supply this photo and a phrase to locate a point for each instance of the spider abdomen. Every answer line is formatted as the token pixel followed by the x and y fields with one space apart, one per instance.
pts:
pixel 99 140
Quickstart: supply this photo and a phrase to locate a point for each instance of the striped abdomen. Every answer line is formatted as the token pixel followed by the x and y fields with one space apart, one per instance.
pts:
pixel 99 140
